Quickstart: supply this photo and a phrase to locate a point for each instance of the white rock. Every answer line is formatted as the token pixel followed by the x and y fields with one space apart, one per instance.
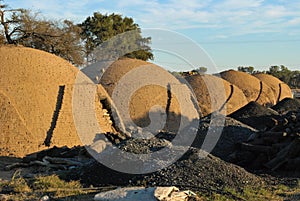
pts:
pixel 145 194
pixel 162 193
pixel 127 194
pixel 3 197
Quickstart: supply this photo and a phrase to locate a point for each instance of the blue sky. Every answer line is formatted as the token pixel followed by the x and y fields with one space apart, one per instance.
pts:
pixel 259 33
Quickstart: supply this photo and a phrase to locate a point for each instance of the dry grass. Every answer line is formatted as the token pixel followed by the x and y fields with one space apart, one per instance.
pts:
pixel 54 187
pixel 257 193
pixel 60 188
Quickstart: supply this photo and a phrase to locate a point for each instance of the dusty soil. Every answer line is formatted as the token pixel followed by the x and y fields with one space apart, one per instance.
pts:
pixel 208 174
pixel 273 147
pixel 30 85
pixel 205 175
pixel 286 105
pixel 256 116
pixel 233 132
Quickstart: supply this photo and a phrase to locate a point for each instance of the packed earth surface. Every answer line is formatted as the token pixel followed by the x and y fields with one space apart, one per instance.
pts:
pixel 246 141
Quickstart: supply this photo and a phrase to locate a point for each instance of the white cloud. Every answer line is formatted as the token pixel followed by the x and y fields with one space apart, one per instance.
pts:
pixel 276 11
pixel 239 4
pixel 69 9
pixel 231 17
pixel 171 14
pixel 221 36
pixel 294 21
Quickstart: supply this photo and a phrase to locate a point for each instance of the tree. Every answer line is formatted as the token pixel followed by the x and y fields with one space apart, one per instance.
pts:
pixel 28 29
pixel 295 80
pixel 98 29
pixel 6 22
pixel 73 42
pixel 202 70
pixel 59 38
pixel 248 69
pixel 292 78
pixel 2 39
pixel 274 70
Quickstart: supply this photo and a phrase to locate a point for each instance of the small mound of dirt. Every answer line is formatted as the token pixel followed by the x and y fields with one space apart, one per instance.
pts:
pixel 199 174
pixel 256 116
pixel 286 105
pixel 253 109
pixel 143 146
pixel 253 88
pixel 192 170
pixel 275 150
pixel 233 133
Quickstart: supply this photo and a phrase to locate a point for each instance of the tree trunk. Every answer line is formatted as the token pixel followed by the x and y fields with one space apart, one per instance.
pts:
pixel 5 26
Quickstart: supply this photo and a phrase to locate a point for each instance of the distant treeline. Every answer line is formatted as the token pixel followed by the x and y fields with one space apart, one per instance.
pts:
pixel 292 78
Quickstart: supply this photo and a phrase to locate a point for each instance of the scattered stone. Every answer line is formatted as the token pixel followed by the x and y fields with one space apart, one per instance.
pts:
pixel 45 198
pixel 276 148
pixel 192 172
pixel 3 197
pixel 232 132
pixel 127 194
pixel 149 194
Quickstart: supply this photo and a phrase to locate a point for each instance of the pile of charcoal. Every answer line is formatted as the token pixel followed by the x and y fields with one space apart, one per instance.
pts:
pixel 276 145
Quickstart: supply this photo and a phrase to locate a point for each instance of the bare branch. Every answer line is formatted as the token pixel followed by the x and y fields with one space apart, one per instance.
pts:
pixel 14 10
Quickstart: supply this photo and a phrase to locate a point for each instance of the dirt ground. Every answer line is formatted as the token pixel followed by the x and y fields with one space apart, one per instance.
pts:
pixel 208 177
pixel 31 103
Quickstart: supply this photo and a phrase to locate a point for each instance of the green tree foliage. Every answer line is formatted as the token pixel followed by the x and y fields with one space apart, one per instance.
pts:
pixel 99 28
pixel 248 69
pixel 202 70
pixel 292 78
pixel 75 43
